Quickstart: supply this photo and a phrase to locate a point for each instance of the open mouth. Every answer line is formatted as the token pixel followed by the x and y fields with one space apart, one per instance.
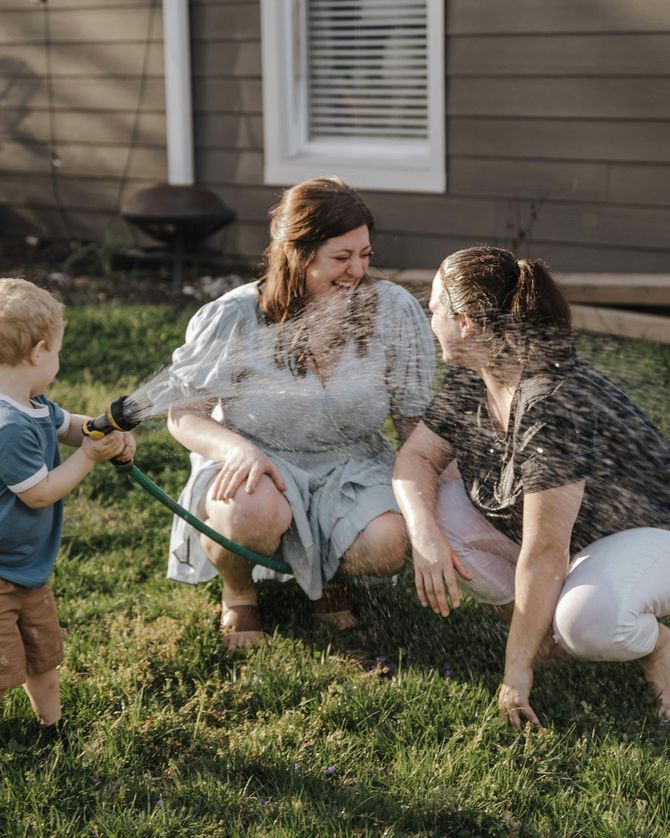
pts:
pixel 344 286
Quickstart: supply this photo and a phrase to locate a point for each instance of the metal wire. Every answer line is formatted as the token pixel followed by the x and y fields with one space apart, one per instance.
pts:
pixel 54 157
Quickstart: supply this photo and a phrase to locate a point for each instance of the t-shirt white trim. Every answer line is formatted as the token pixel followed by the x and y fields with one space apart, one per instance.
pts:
pixel 64 426
pixel 36 412
pixel 29 482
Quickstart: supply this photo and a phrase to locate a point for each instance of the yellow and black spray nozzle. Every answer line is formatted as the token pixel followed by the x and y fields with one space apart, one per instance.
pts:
pixel 121 415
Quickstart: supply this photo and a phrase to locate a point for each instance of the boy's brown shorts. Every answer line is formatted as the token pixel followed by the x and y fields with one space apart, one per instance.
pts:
pixel 31 640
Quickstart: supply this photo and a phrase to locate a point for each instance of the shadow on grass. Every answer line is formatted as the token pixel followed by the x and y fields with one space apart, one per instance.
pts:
pixel 331 801
pixel 607 699
pixel 467 646
pixel 299 798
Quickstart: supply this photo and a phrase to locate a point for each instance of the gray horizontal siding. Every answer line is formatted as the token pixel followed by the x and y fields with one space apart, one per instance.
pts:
pixel 227 21
pixel 100 104
pixel 581 140
pixel 552 110
pixel 100 194
pixel 558 126
pixel 85 159
pixel 567 98
pixel 85 24
pixel 621 54
pixel 490 17
pixel 247 241
pixel 115 128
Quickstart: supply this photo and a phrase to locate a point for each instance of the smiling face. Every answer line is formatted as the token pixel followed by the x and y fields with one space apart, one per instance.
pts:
pixel 339 265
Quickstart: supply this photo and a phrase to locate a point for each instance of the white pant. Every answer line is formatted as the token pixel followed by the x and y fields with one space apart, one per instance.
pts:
pixel 614 591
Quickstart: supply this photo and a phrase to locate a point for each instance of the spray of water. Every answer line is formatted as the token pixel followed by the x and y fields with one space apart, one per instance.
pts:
pixel 201 375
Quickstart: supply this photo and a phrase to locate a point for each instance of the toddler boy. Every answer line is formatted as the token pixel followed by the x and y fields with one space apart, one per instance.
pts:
pixel 33 483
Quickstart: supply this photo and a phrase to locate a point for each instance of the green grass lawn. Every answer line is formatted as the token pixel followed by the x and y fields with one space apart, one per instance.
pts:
pixel 390 730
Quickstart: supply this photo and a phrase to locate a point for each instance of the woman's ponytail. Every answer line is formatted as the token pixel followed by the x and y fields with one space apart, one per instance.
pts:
pixel 538 298
pixel 515 304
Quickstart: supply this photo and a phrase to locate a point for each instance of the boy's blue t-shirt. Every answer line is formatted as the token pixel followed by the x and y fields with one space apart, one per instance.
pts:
pixel 29 538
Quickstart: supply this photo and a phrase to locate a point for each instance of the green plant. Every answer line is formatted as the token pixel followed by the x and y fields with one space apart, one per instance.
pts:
pixel 94 258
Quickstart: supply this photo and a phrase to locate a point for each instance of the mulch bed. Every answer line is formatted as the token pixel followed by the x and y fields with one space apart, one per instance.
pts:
pixel 132 283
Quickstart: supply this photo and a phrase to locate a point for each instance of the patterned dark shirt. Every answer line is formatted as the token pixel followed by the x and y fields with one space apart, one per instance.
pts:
pixel 567 423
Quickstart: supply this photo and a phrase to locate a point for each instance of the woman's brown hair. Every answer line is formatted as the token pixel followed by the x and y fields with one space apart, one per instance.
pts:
pixel 306 216
pixel 514 303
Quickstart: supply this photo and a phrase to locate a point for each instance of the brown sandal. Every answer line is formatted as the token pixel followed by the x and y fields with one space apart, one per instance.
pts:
pixel 241 626
pixel 333 607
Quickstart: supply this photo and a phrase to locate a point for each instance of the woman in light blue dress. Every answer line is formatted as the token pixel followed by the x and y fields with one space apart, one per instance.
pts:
pixel 297 374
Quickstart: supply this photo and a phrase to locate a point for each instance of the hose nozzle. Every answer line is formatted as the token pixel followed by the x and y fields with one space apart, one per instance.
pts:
pixel 121 415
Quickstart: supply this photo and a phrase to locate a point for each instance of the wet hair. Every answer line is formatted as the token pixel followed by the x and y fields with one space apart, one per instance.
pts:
pixel 514 303
pixel 306 216
pixel 28 314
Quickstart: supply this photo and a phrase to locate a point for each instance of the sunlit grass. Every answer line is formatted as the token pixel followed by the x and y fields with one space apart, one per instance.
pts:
pixel 389 730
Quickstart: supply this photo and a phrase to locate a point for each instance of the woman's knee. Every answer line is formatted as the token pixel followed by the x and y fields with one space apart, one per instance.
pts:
pixel 263 515
pixel 615 590
pixel 584 623
pixel 382 547
pixel 591 625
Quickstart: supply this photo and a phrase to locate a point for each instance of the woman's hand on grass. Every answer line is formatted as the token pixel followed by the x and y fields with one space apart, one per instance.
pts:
pixel 514 697
pixel 435 567
pixel 244 463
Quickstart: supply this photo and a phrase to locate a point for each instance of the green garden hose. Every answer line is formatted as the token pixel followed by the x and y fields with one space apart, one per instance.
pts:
pixel 256 558
pixel 124 414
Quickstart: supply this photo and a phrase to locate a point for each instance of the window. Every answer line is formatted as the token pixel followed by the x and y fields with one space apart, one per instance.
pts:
pixel 355 88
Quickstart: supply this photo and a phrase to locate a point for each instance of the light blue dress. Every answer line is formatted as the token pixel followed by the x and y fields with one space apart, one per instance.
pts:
pixel 325 439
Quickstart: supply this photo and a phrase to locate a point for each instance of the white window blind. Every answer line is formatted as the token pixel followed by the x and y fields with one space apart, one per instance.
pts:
pixel 368 68
pixel 355 88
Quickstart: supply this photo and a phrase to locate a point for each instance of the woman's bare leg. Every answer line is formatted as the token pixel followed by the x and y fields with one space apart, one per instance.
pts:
pixel 379 550
pixel 257 521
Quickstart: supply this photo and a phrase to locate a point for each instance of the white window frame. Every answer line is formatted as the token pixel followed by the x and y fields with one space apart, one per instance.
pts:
pixel 290 156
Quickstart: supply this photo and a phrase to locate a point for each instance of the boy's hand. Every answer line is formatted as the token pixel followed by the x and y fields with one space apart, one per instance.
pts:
pixel 129 446
pixel 101 450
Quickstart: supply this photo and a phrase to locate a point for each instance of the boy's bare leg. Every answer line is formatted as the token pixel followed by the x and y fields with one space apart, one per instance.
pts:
pixel 258 521
pixel 656 667
pixel 44 694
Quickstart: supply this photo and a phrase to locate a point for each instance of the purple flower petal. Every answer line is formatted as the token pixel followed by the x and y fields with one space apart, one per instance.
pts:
pixel 330 770
pixel 445 670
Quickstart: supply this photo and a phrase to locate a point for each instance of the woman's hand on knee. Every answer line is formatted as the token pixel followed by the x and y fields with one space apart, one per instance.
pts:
pixel 244 463
pixel 435 568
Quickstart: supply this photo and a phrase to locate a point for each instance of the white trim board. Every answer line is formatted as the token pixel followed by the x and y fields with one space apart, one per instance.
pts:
pixel 396 164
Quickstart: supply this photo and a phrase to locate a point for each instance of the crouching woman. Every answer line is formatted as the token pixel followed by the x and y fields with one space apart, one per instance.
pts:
pixel 558 511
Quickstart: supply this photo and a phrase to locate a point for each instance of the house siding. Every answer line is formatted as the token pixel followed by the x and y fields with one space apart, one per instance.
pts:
pixel 103 114
pixel 558 128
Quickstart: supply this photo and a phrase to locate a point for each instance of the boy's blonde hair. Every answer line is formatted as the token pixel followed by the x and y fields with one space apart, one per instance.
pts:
pixel 28 314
